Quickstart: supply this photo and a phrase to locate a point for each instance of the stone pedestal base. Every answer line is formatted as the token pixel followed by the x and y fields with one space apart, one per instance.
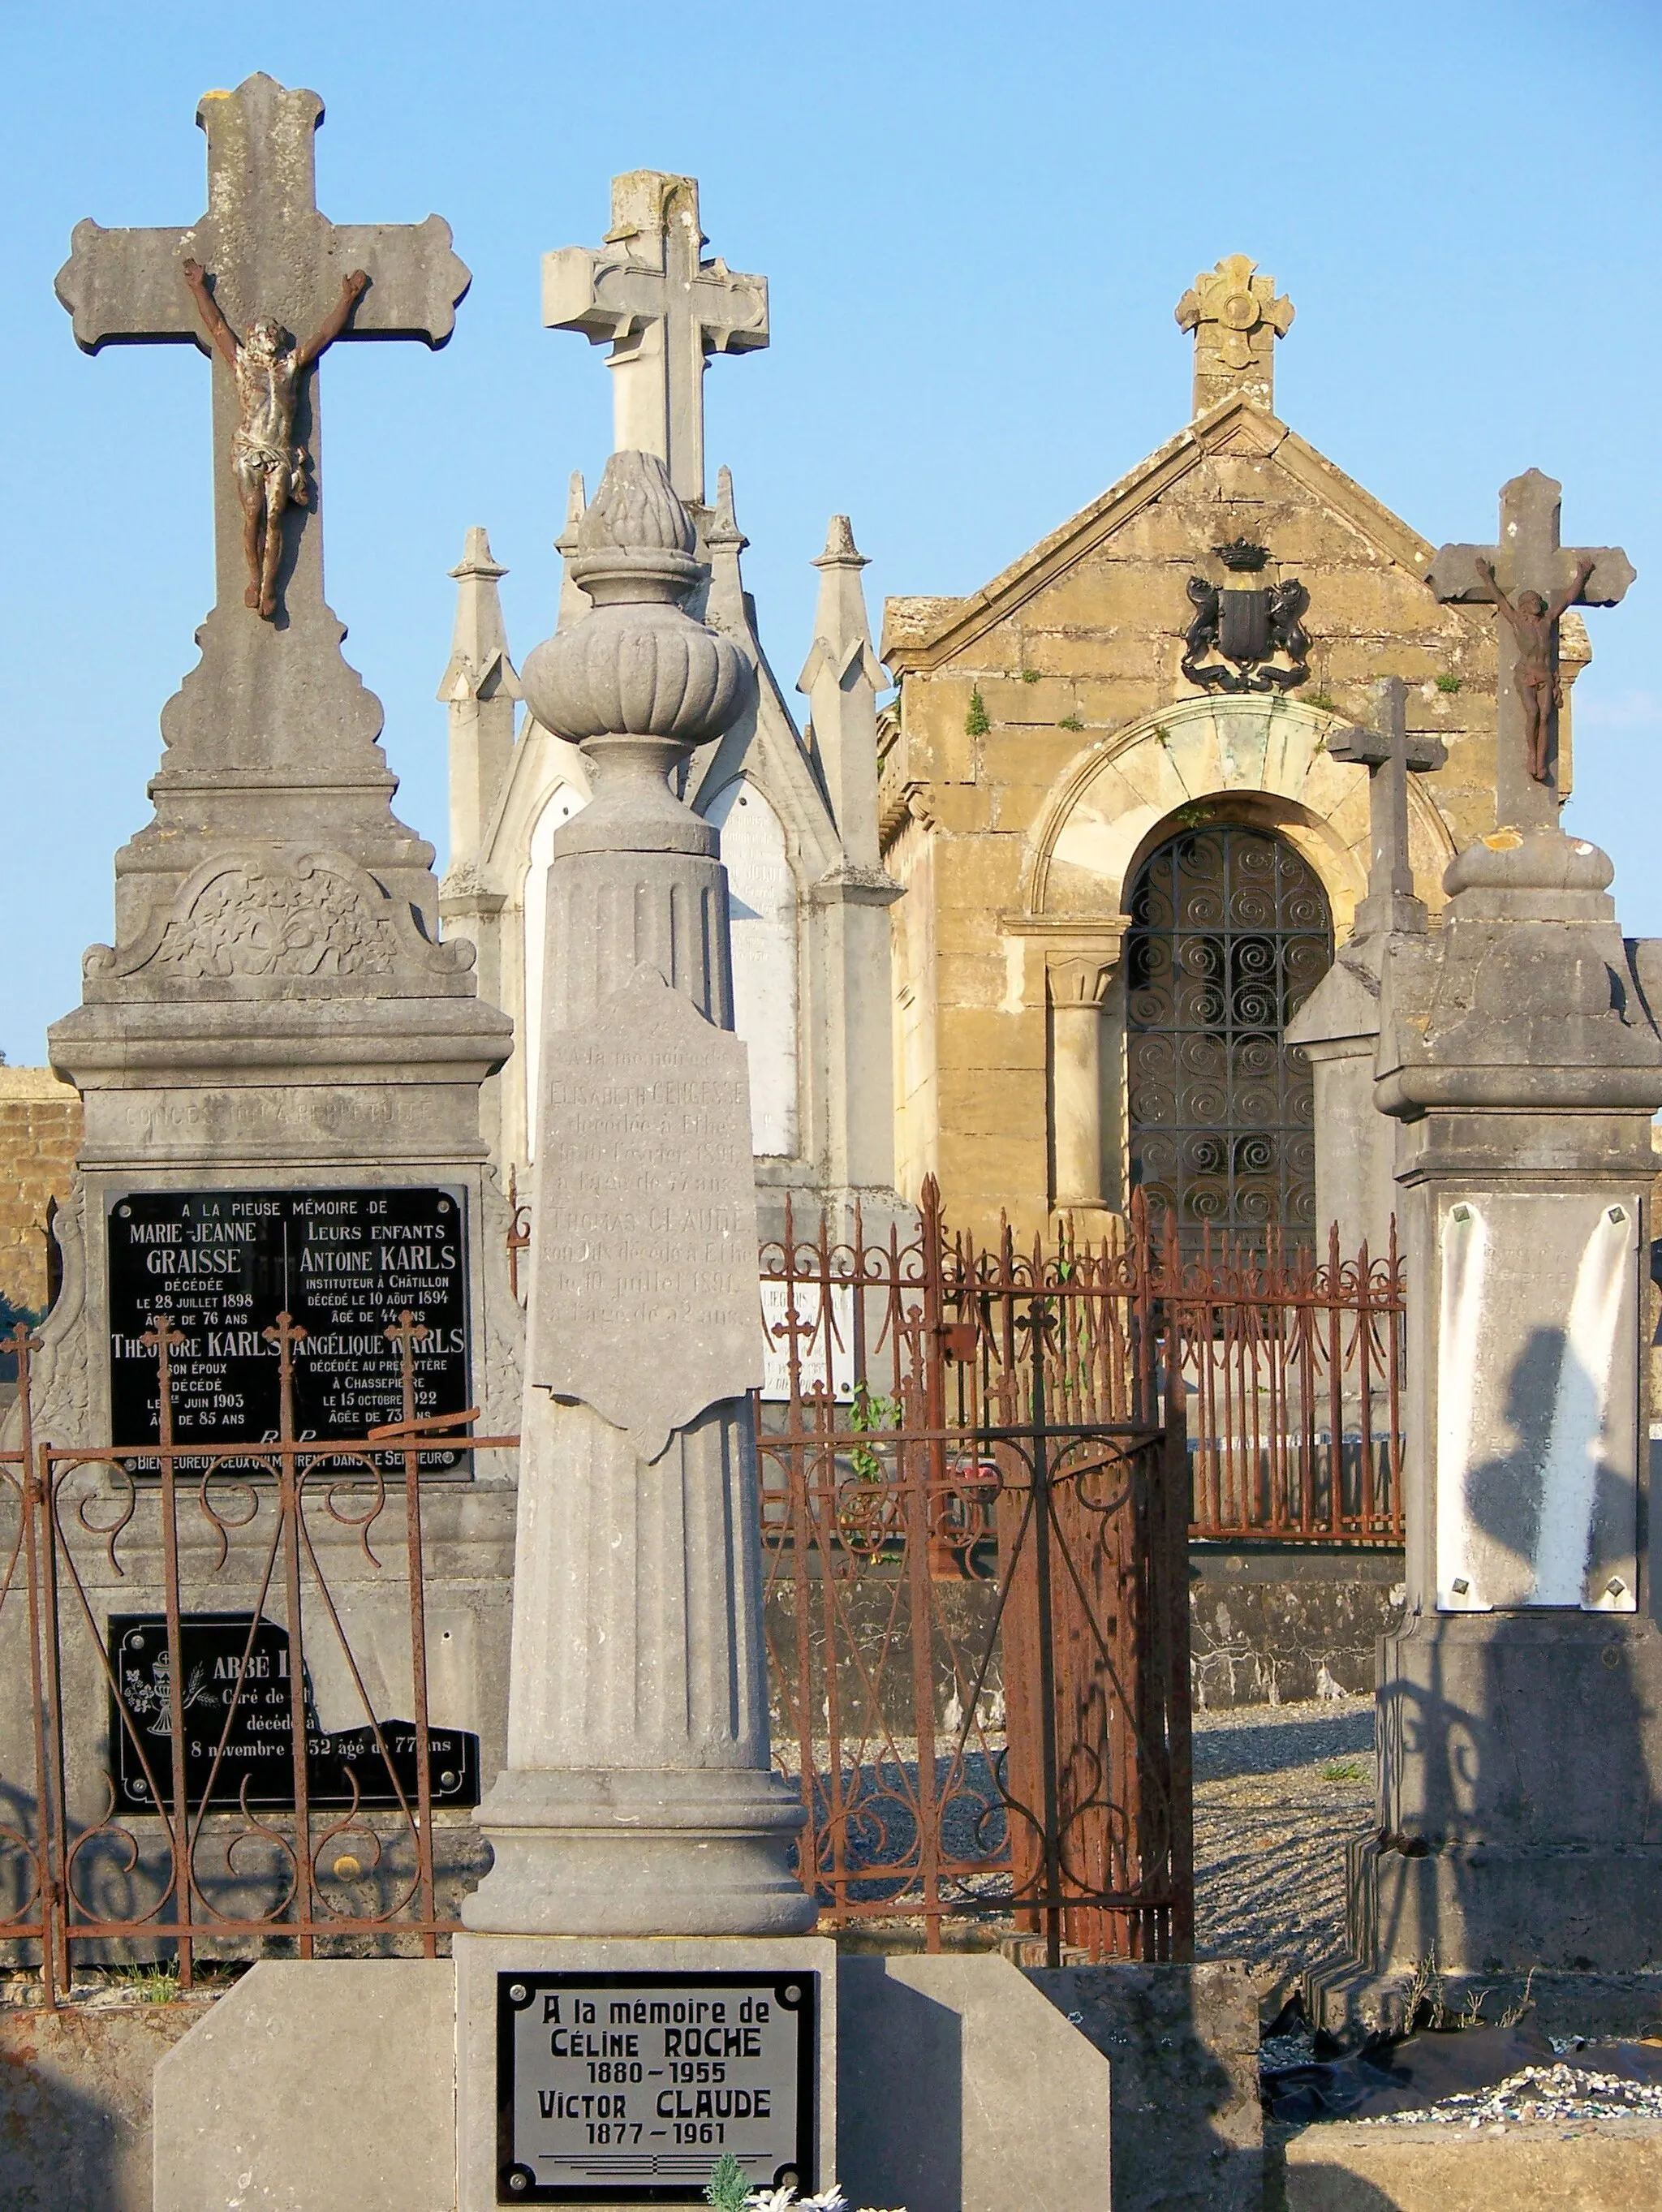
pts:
pixel 1352 2001
pixel 480 1959
pixel 1488 1908
pixel 700 1853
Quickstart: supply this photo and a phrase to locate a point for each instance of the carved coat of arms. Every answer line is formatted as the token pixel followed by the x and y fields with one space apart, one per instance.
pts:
pixel 1248 636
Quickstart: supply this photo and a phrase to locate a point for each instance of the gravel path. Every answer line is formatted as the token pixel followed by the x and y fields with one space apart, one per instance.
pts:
pixel 1278 1791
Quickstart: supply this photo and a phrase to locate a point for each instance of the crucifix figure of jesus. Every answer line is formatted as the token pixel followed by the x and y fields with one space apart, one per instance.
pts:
pixel 1530 579
pixel 265 261
pixel 1533 622
pixel 1390 755
pixel 650 293
pixel 270 468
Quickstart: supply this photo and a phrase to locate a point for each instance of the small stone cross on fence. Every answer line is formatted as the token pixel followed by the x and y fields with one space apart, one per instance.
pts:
pixel 663 309
pixel 1390 755
pixel 265 282
pixel 1530 579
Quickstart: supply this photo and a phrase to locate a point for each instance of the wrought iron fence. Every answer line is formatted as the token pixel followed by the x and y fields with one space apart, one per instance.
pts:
pixel 1292 1373
pixel 223 1816
pixel 978 1482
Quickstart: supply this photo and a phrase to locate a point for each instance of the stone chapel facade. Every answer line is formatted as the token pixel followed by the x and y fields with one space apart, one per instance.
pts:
pixel 1127 854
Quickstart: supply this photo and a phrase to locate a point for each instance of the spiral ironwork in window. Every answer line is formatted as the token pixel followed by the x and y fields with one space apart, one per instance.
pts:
pixel 1231 933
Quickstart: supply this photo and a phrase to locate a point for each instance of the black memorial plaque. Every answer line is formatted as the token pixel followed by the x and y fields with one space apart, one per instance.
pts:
pixel 238 1693
pixel 343 1264
pixel 627 2088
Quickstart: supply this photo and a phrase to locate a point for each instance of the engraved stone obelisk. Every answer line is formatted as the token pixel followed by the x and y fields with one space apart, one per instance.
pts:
pixel 638 1798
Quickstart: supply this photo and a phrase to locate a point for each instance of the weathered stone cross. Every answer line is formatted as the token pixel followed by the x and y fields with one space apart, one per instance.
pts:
pixel 266 254
pixel 1530 579
pixel 1390 755
pixel 663 309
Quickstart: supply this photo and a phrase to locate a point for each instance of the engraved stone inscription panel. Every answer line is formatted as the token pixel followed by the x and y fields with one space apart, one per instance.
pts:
pixel 343 1264
pixel 646 1304
pixel 627 2088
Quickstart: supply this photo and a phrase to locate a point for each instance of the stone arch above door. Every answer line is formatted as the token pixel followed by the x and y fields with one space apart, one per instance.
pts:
pixel 1261 759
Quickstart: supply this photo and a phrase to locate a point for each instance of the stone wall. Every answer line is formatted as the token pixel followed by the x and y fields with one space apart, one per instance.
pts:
pixel 39 1138
pixel 1276 1623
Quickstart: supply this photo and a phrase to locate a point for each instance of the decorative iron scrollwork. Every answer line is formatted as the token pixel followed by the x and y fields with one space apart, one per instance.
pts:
pixel 1231 934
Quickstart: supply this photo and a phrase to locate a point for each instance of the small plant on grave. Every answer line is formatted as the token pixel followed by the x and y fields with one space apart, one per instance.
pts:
pixel 1323 702
pixel 975 724
pixel 1449 683
pixel 1345 1770
pixel 726 2189
pixel 1425 1996
pixel 1032 675
pixel 870 1411
pixel 152 1985
pixel 1471 2010
pixel 1513 2014
pixel 1070 722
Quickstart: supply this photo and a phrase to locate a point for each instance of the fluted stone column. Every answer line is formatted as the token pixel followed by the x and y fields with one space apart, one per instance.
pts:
pixel 638 1797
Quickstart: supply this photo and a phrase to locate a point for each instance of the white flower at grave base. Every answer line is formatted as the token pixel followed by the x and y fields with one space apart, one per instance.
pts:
pixel 787 2200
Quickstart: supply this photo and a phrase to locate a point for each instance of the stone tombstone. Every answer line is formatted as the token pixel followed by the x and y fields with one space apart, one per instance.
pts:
pixel 1520 1750
pixel 639 1804
pixel 280 1056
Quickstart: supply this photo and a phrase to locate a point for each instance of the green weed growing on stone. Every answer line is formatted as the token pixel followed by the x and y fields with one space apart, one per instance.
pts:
pixel 1032 676
pixel 1323 702
pixel 975 724
pixel 726 2189
pixel 156 1985
pixel 1070 722
pixel 870 1411
pixel 1449 683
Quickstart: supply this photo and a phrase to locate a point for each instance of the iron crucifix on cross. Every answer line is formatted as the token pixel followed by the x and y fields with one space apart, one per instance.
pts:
pixel 270 468
pixel 264 260
pixel 1530 579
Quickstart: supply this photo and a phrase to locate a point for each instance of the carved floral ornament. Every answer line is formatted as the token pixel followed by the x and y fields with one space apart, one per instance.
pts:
pixel 282 914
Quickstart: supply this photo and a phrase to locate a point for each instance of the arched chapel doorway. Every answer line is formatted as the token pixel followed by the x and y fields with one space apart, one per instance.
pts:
pixel 1231 933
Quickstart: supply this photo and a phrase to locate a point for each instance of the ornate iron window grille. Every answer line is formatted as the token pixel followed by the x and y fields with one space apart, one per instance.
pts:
pixel 1231 933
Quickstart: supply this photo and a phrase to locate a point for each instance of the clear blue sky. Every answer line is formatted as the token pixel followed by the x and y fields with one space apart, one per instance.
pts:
pixel 976 221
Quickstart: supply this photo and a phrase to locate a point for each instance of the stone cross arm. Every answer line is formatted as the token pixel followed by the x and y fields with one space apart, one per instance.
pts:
pixel 1455 576
pixel 607 295
pixel 127 286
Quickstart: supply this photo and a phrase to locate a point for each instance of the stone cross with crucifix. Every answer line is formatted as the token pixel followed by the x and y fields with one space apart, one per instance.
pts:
pixel 1390 755
pixel 265 282
pixel 648 292
pixel 1530 579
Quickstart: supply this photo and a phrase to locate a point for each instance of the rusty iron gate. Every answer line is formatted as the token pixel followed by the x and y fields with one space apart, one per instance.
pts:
pixel 975 1514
